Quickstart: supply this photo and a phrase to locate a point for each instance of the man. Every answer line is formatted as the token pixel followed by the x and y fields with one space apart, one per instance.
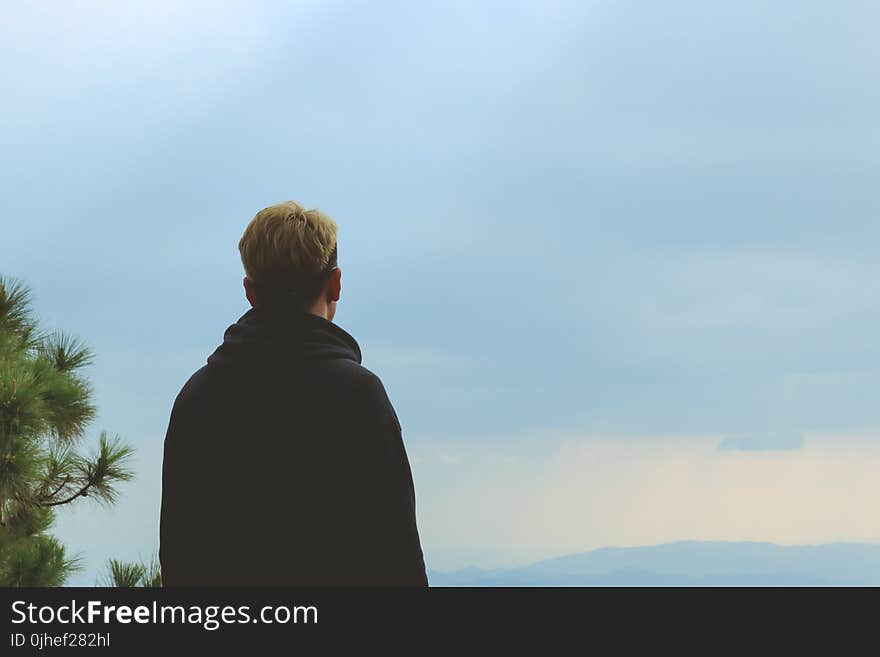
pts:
pixel 284 462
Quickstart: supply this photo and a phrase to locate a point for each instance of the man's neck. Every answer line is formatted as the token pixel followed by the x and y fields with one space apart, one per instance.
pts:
pixel 320 309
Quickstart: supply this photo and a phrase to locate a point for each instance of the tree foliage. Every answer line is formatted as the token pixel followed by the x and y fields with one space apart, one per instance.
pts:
pixel 45 408
pixel 128 575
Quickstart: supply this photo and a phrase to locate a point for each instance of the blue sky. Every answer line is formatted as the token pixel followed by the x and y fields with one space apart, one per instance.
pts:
pixel 615 261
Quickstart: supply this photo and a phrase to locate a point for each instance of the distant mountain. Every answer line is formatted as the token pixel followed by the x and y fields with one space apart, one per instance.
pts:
pixel 689 563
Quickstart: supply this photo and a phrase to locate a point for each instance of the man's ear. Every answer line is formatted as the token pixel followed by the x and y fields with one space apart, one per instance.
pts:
pixel 334 285
pixel 249 292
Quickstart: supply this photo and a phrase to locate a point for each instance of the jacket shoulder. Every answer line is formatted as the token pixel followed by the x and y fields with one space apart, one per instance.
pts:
pixel 373 393
pixel 191 386
pixel 356 375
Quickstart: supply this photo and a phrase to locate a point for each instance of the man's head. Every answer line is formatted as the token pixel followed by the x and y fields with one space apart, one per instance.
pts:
pixel 289 257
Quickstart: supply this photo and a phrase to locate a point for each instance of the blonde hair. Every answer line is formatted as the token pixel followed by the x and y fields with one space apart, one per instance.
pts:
pixel 286 245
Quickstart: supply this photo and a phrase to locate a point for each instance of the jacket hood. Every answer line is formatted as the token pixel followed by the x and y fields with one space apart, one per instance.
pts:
pixel 287 334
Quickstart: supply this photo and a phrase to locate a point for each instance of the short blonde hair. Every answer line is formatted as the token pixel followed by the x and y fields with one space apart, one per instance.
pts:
pixel 287 246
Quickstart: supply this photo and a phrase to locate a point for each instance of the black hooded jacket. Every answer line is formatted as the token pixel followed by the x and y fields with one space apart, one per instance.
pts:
pixel 284 465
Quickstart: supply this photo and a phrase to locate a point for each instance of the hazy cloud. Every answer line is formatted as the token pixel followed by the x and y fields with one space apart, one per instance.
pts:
pixel 762 442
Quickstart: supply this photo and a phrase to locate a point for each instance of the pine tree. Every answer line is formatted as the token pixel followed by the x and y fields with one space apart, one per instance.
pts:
pixel 45 408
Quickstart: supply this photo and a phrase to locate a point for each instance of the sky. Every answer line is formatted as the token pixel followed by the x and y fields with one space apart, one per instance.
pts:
pixel 615 262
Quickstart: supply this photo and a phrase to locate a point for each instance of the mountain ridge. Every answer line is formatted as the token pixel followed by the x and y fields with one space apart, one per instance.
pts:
pixel 688 563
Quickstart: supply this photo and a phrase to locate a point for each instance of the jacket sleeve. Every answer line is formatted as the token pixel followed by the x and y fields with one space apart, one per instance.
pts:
pixel 393 548
pixel 176 513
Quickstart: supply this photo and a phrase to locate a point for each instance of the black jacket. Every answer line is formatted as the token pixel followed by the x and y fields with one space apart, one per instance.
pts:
pixel 284 465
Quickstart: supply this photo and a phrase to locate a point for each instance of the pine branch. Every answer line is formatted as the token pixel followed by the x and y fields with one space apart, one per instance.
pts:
pixel 124 575
pixel 65 352
pixel 15 309
pixel 97 475
pixel 127 575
